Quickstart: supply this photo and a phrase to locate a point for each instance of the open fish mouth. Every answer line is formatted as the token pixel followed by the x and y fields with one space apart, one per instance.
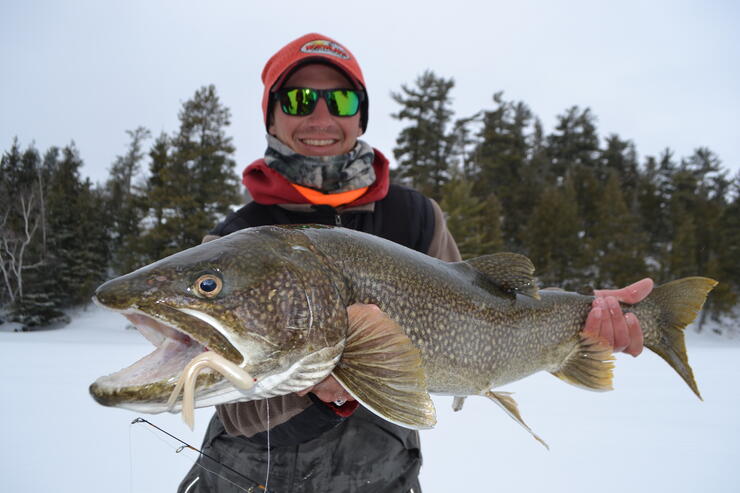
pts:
pixel 147 384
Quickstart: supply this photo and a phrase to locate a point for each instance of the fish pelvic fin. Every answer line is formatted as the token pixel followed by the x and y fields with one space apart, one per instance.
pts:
pixel 678 302
pixel 589 365
pixel 381 368
pixel 457 402
pixel 511 272
pixel 509 405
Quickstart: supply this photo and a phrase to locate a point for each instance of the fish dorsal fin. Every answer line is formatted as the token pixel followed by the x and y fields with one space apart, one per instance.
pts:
pixel 511 272
pixel 589 365
pixel 508 404
pixel 382 369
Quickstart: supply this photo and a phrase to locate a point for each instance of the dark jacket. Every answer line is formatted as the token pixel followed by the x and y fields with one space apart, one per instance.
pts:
pixel 315 447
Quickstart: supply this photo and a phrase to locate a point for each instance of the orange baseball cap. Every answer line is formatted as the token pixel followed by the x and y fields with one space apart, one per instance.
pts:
pixel 311 47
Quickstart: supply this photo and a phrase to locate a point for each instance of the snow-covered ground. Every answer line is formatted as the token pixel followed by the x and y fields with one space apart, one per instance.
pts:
pixel 651 434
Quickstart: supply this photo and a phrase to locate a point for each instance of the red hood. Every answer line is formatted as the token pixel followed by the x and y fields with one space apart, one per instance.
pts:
pixel 268 187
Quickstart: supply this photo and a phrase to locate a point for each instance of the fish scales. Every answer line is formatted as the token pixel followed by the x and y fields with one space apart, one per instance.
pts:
pixel 470 338
pixel 275 309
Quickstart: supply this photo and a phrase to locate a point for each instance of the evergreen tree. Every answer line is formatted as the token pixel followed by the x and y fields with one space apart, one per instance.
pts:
pixel 574 152
pixel 463 147
pixel 501 159
pixel 617 243
pixel 78 227
pixel 125 204
pixel 620 157
pixel 574 142
pixel 32 296
pixel 193 183
pixel 553 238
pixel 158 237
pixel 423 149
pixel 20 219
pixel 726 265
pixel 474 223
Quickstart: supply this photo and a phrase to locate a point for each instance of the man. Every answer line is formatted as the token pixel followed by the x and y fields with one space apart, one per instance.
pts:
pixel 316 170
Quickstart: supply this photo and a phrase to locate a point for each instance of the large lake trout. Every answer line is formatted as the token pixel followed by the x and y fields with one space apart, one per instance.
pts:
pixel 264 312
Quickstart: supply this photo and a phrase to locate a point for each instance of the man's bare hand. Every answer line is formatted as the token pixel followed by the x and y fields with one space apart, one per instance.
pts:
pixel 607 321
pixel 329 390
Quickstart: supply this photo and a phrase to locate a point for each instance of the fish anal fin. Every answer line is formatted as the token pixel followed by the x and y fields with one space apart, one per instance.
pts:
pixel 457 402
pixel 508 404
pixel 511 272
pixel 381 368
pixel 589 365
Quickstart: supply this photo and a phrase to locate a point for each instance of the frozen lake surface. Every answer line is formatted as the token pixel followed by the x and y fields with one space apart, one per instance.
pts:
pixel 650 435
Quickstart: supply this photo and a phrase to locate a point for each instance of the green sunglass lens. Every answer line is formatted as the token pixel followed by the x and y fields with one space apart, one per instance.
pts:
pixel 343 103
pixel 298 101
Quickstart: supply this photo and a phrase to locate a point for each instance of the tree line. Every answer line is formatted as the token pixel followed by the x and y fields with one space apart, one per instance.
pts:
pixel 61 236
pixel 584 209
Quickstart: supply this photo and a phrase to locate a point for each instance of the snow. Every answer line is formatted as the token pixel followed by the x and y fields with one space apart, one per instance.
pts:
pixel 651 434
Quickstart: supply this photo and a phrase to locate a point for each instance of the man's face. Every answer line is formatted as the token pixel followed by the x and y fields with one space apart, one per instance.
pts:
pixel 320 133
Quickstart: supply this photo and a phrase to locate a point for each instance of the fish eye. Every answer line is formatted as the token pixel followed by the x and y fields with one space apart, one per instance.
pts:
pixel 208 285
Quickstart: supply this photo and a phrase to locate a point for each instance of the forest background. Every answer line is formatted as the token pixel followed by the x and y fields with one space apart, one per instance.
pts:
pixel 585 208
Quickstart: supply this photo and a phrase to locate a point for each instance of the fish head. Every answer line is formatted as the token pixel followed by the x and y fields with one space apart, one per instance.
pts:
pixel 264 299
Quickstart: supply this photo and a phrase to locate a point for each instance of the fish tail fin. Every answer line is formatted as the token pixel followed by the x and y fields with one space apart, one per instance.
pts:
pixel 668 310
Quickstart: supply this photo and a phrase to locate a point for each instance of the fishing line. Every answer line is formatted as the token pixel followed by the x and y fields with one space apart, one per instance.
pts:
pixel 267 475
pixel 186 445
pixel 130 461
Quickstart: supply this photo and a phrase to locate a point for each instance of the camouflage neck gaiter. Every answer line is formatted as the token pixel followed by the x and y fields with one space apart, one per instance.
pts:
pixel 328 174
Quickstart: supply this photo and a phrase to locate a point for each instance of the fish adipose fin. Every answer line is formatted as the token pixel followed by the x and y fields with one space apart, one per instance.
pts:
pixel 508 404
pixel 589 365
pixel 382 369
pixel 511 272
pixel 677 303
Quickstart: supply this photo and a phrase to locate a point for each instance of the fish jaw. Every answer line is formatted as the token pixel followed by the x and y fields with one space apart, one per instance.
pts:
pixel 147 384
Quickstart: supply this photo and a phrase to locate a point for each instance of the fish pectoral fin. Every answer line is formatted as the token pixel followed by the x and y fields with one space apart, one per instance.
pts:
pixel 589 365
pixel 381 368
pixel 508 404
pixel 457 402
pixel 511 272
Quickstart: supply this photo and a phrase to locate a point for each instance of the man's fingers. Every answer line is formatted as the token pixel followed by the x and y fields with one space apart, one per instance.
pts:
pixel 593 321
pixel 607 329
pixel 619 325
pixel 635 335
pixel 631 294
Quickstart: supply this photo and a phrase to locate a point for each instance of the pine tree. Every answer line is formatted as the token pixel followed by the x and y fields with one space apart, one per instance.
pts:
pixel 620 157
pixel 192 184
pixel 125 204
pixel 553 238
pixel 618 243
pixel 31 294
pixel 502 161
pixel 474 223
pixel 574 142
pixel 423 149
pixel 78 257
pixel 574 152
pixel 20 219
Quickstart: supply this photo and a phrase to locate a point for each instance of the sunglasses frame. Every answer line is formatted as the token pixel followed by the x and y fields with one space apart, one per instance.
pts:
pixel 322 93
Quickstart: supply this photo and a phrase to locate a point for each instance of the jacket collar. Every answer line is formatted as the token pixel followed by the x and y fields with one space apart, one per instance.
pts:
pixel 268 187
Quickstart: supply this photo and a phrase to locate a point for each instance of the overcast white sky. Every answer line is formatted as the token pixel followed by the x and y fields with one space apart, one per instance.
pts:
pixel 661 73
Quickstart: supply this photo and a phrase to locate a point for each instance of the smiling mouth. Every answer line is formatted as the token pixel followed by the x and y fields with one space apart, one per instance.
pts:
pixel 318 142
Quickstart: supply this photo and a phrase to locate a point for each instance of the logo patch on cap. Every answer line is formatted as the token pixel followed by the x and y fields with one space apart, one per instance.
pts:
pixel 324 47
